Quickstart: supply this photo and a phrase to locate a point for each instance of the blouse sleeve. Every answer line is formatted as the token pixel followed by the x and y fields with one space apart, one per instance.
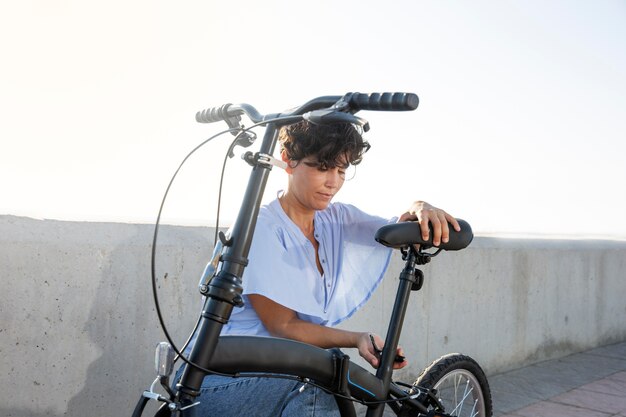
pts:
pixel 364 262
pixel 282 264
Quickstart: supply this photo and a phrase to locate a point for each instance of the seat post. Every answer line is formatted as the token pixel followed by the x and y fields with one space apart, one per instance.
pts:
pixel 406 281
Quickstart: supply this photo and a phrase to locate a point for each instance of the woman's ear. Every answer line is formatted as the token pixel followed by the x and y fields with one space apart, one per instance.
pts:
pixel 285 158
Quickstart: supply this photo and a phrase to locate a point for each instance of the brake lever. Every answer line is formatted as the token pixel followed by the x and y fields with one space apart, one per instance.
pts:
pixel 244 139
pixel 398 359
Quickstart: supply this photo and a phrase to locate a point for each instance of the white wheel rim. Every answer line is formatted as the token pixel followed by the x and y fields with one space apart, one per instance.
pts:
pixel 467 395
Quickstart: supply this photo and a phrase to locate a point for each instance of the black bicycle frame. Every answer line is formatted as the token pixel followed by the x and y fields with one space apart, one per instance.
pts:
pixel 331 369
pixel 236 354
pixel 225 288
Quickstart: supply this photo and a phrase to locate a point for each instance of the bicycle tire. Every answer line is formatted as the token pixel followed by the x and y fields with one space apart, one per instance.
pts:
pixel 461 385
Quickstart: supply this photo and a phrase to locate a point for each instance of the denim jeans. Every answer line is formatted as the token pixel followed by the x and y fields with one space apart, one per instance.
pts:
pixel 272 397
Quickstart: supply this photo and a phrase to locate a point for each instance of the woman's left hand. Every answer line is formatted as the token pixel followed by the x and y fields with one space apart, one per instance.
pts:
pixel 425 213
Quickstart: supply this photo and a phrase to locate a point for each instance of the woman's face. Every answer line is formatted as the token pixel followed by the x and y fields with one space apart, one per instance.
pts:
pixel 314 185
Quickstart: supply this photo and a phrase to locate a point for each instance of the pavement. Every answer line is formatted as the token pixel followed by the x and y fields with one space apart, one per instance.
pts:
pixel 587 384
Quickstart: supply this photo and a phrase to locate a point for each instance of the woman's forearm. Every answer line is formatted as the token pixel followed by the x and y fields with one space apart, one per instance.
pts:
pixel 315 334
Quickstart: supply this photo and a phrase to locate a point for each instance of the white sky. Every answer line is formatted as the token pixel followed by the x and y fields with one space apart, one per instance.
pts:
pixel 521 126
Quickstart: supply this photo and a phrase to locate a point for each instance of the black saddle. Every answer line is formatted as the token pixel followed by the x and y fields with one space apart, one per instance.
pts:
pixel 401 235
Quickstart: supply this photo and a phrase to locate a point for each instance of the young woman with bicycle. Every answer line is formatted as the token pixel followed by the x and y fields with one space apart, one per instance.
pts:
pixel 312 264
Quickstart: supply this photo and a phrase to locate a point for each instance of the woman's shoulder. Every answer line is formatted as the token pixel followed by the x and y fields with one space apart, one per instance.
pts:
pixel 273 222
pixel 268 219
pixel 348 215
pixel 339 210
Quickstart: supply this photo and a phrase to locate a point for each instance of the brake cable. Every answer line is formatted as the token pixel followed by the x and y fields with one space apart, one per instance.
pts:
pixel 241 131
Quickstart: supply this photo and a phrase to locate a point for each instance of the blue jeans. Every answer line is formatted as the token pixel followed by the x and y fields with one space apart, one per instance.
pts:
pixel 272 397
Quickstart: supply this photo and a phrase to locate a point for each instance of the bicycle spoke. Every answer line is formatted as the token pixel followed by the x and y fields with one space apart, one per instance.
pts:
pixel 474 413
pixel 457 383
pixel 466 393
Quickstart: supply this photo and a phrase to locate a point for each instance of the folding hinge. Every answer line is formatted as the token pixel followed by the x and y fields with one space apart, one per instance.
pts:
pixel 255 159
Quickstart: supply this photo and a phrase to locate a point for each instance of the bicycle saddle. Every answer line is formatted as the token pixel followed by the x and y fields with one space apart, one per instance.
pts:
pixel 400 235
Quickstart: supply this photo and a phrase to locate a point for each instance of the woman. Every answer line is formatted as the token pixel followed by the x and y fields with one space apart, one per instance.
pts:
pixel 312 264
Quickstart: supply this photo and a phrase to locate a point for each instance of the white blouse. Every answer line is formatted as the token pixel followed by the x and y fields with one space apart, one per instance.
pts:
pixel 282 266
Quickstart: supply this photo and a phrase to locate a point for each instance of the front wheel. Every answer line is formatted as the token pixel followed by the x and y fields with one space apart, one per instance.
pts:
pixel 461 385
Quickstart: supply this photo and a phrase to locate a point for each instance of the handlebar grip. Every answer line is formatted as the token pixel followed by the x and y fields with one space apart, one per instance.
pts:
pixel 383 101
pixel 213 114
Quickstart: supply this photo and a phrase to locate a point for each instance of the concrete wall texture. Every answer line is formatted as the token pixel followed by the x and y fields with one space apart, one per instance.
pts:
pixel 78 325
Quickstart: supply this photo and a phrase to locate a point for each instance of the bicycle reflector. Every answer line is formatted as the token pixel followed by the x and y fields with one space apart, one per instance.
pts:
pixel 164 359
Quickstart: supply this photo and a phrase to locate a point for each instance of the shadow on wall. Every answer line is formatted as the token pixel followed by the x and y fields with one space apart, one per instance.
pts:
pixel 117 329
pixel 123 322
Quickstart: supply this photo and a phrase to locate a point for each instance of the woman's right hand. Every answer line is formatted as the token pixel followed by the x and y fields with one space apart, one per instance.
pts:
pixel 367 351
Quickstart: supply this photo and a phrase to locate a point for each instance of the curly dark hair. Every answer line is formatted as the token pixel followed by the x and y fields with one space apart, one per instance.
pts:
pixel 329 143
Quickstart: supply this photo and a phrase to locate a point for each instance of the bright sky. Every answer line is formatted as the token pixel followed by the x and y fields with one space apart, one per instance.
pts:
pixel 521 126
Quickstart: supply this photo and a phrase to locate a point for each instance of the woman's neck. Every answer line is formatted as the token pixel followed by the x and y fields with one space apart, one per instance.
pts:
pixel 301 216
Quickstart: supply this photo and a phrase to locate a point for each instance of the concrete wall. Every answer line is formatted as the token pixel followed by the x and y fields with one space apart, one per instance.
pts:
pixel 78 325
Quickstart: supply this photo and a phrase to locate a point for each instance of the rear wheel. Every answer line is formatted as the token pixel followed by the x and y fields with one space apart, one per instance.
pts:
pixel 461 385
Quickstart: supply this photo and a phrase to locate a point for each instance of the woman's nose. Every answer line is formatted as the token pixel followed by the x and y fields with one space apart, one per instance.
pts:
pixel 333 178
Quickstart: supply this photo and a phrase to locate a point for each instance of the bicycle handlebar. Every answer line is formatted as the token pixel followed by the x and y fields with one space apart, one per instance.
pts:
pixel 227 111
pixel 351 102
